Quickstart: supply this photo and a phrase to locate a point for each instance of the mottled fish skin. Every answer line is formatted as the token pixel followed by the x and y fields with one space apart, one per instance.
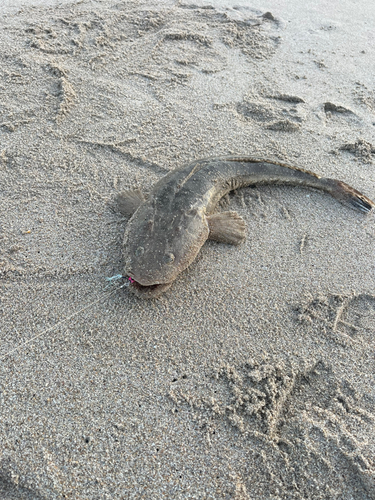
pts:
pixel 166 231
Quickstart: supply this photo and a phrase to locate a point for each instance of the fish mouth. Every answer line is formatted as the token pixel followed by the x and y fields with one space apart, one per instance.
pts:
pixel 148 291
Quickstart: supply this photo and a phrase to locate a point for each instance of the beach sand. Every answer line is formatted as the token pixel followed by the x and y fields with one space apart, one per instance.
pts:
pixel 252 377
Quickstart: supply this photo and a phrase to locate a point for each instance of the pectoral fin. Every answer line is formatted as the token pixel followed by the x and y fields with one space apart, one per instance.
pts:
pixel 227 227
pixel 127 202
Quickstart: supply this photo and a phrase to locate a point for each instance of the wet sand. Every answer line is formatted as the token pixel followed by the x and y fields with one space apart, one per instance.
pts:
pixel 252 377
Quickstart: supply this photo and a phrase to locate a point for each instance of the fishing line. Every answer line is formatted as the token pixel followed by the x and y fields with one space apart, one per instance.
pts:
pixel 113 280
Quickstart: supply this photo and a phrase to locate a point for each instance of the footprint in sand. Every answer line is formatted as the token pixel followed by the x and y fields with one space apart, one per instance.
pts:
pixel 361 149
pixel 278 112
pixel 346 319
pixel 305 432
pixel 336 113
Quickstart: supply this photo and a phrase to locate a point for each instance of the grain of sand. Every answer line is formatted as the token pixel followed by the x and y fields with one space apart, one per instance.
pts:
pixel 253 376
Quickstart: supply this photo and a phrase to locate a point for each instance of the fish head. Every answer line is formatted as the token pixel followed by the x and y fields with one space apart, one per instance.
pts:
pixel 159 245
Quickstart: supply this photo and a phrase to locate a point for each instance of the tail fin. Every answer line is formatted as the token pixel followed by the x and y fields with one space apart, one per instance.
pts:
pixel 348 195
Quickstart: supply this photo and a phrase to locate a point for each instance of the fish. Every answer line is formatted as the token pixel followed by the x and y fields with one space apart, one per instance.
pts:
pixel 167 229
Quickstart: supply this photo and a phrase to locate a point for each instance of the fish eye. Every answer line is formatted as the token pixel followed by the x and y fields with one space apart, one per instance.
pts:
pixel 140 251
pixel 168 258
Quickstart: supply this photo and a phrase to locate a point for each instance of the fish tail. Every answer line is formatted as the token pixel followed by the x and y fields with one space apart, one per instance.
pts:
pixel 348 195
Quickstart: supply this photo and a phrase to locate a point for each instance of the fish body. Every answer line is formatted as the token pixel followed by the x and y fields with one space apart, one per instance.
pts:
pixel 167 230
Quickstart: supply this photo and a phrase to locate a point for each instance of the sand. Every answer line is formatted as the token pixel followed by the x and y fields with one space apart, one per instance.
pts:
pixel 252 377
